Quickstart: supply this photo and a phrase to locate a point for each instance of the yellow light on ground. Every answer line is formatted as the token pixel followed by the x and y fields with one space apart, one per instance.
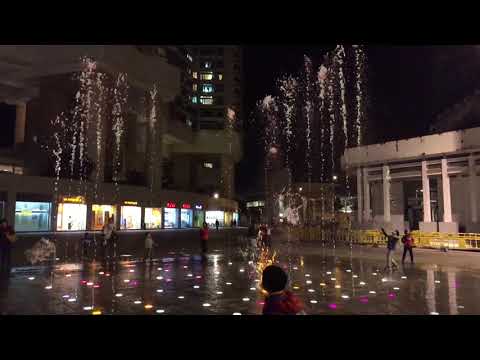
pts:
pixel 148 306
pixel 296 288
pixel 323 284
pixel 337 286
pixel 96 312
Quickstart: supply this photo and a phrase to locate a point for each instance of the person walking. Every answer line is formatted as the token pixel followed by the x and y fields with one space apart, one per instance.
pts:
pixel 407 241
pixel 109 238
pixel 392 240
pixel 7 238
pixel 204 239
pixel 148 247
pixel 217 224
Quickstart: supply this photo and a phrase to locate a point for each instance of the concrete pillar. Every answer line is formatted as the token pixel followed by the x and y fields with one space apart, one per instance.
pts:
pixel 386 193
pixel 447 203
pixel 21 119
pixel 10 207
pixel 472 171
pixel 427 213
pixel 359 196
pixel 366 196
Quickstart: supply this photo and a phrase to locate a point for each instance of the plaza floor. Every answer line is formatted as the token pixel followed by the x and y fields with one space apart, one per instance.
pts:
pixel 340 280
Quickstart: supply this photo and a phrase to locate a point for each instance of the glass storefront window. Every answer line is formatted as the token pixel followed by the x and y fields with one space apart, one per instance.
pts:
pixel 101 214
pixel 71 217
pixel 228 218
pixel 32 216
pixel 211 216
pixel 131 218
pixel 186 218
pixel 153 218
pixel 170 218
pixel 235 217
pixel 198 218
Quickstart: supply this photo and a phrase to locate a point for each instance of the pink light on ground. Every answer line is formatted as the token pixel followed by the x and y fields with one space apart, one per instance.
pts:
pixel 364 300
pixel 391 296
pixel 332 306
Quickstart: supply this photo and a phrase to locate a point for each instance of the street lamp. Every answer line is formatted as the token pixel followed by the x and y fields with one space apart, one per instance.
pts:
pixel 215 196
pixel 335 177
pixel 300 188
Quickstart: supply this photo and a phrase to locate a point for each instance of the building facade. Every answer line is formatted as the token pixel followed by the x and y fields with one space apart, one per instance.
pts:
pixel 429 183
pixel 93 131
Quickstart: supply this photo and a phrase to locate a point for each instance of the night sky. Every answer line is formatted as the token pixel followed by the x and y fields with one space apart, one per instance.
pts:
pixel 408 86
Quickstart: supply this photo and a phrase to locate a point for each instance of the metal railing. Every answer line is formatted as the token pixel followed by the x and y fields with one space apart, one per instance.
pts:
pixel 435 240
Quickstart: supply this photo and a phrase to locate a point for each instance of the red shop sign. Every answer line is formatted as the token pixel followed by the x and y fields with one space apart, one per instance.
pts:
pixel 186 206
pixel 171 205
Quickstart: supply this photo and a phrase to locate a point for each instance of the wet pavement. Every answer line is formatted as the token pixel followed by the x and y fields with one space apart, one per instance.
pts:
pixel 339 280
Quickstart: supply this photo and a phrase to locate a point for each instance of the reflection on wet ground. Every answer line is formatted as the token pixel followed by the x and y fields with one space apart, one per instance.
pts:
pixel 227 284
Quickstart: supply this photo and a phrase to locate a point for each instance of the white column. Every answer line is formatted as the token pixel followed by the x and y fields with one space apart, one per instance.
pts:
pixel 427 213
pixel 452 293
pixel 447 203
pixel 386 193
pixel 472 188
pixel 430 292
pixel 359 196
pixel 366 196
pixel 21 118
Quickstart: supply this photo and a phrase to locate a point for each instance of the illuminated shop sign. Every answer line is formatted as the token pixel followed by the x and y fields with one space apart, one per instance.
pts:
pixel 171 205
pixel 134 203
pixel 198 207
pixel 186 206
pixel 74 200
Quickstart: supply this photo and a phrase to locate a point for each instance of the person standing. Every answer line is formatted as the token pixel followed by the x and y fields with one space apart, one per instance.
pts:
pixel 217 224
pixel 407 241
pixel 7 238
pixel 108 238
pixel 391 245
pixel 148 247
pixel 204 239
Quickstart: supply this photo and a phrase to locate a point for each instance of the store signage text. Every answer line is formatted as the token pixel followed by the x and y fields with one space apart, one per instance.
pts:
pixel 134 203
pixel 186 206
pixel 75 200
pixel 171 205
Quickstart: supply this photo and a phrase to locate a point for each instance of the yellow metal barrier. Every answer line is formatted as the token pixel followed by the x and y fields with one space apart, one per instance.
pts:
pixel 461 241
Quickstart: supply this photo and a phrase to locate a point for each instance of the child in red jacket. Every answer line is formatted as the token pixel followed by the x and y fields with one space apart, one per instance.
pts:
pixel 279 301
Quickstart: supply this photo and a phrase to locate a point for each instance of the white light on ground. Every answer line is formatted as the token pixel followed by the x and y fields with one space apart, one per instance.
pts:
pixel 337 286
pixel 257 280
pixel 31 278
pixel 48 287
pixel 237 313
pixel 190 275
pixel 219 292
pixel 348 270
pixel 253 289
pixel 206 305
pixel 461 306
pixel 396 288
pixel 119 295
pixel 362 283
pixel 215 196
pixel 217 272
pixel 181 297
pixel 68 275
pixel 137 302
pixel 87 308
pixel 242 270
pixel 311 290
pixel 131 270
pixel 374 274
pixel 66 296
pixel 196 286
pixel 333 279
pixel 89 283
pixel 229 263
pixel 185 267
pixel 329 272
pixel 126 281
pixel 355 276
pixel 308 281
pixel 148 306
pixel 101 273
pixel 437 281
pixel 160 269
pixel 372 292
pixel 434 313
pixel 404 277
pixel 313 301
pixel 323 284
pixel 72 300
pixel 384 280
pixel 160 311
pixel 228 283
pixel 345 297
pixel 295 268
pixel 307 275
pixel 246 299
pixel 159 277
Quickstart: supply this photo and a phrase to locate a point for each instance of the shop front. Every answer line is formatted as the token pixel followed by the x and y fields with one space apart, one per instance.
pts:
pixel 170 216
pixel 130 216
pixel 72 214
pixel 32 216
pixel 228 218
pixel 212 216
pixel 186 216
pixel 236 218
pixel 198 216
pixel 153 218
pixel 101 214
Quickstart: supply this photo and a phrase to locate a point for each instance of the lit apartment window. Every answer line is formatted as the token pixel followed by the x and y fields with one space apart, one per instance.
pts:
pixel 207 88
pixel 206 76
pixel 194 87
pixel 208 165
pixel 220 77
pixel 195 75
pixel 207 64
pixel 206 100
pixel 194 99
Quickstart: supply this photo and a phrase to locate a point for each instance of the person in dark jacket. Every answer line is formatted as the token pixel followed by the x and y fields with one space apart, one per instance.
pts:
pixel 407 241
pixel 7 237
pixel 217 224
pixel 392 240
pixel 204 239
pixel 279 301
